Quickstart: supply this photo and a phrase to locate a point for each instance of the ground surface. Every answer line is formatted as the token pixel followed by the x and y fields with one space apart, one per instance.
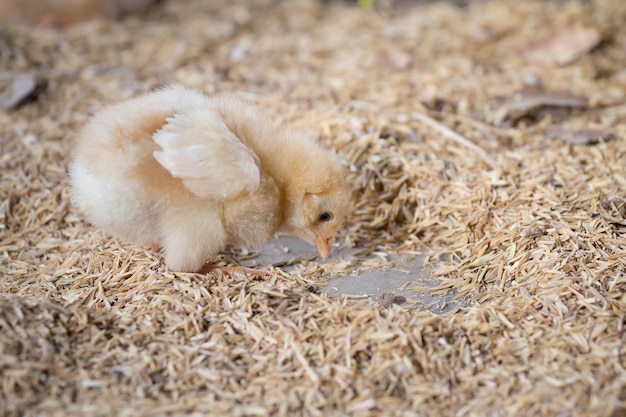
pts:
pixel 514 229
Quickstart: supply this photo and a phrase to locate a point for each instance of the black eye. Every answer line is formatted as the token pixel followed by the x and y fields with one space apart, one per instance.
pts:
pixel 325 216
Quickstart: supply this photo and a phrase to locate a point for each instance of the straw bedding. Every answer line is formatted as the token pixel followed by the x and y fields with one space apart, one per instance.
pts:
pixel 525 226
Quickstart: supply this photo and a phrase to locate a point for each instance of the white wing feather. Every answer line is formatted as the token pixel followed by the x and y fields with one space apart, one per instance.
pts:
pixel 200 149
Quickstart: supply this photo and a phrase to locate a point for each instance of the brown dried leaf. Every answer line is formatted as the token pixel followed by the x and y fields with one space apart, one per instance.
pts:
pixel 580 136
pixel 15 87
pixel 535 96
pixel 53 13
pixel 531 98
pixel 563 47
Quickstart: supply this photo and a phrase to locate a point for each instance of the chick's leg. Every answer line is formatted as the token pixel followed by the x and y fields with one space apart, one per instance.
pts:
pixel 183 258
pixel 187 244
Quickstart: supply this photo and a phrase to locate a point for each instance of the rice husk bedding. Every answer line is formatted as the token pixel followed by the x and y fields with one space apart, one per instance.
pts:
pixel 445 155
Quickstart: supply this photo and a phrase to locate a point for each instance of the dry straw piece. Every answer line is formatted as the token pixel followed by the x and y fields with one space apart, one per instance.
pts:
pixel 526 230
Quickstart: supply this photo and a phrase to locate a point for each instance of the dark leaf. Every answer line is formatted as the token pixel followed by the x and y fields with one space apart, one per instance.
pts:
pixel 579 137
pixel 15 87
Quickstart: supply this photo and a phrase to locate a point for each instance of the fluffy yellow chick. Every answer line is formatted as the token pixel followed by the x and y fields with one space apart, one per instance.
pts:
pixel 191 173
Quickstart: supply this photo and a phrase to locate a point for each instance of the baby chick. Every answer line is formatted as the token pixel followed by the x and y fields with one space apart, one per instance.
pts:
pixel 191 174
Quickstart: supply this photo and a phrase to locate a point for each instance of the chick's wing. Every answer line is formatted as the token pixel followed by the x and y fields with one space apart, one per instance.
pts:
pixel 201 150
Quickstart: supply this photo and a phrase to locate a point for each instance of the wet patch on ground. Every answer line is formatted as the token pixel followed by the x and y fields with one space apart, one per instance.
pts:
pixel 404 280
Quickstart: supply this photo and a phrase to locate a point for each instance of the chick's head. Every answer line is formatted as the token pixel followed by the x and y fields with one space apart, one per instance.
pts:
pixel 319 214
pixel 325 213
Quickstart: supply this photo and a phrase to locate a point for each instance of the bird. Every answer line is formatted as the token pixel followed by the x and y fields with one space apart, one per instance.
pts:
pixel 190 174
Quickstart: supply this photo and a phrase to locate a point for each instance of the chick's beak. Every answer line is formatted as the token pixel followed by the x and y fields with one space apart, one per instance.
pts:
pixel 323 246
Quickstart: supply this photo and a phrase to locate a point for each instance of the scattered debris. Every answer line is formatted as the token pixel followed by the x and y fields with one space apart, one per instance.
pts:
pixel 386 299
pixel 533 231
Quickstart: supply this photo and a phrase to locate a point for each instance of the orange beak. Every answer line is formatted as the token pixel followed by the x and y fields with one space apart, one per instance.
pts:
pixel 323 246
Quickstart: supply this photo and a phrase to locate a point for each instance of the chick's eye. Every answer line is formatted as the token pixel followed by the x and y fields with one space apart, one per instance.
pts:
pixel 325 216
